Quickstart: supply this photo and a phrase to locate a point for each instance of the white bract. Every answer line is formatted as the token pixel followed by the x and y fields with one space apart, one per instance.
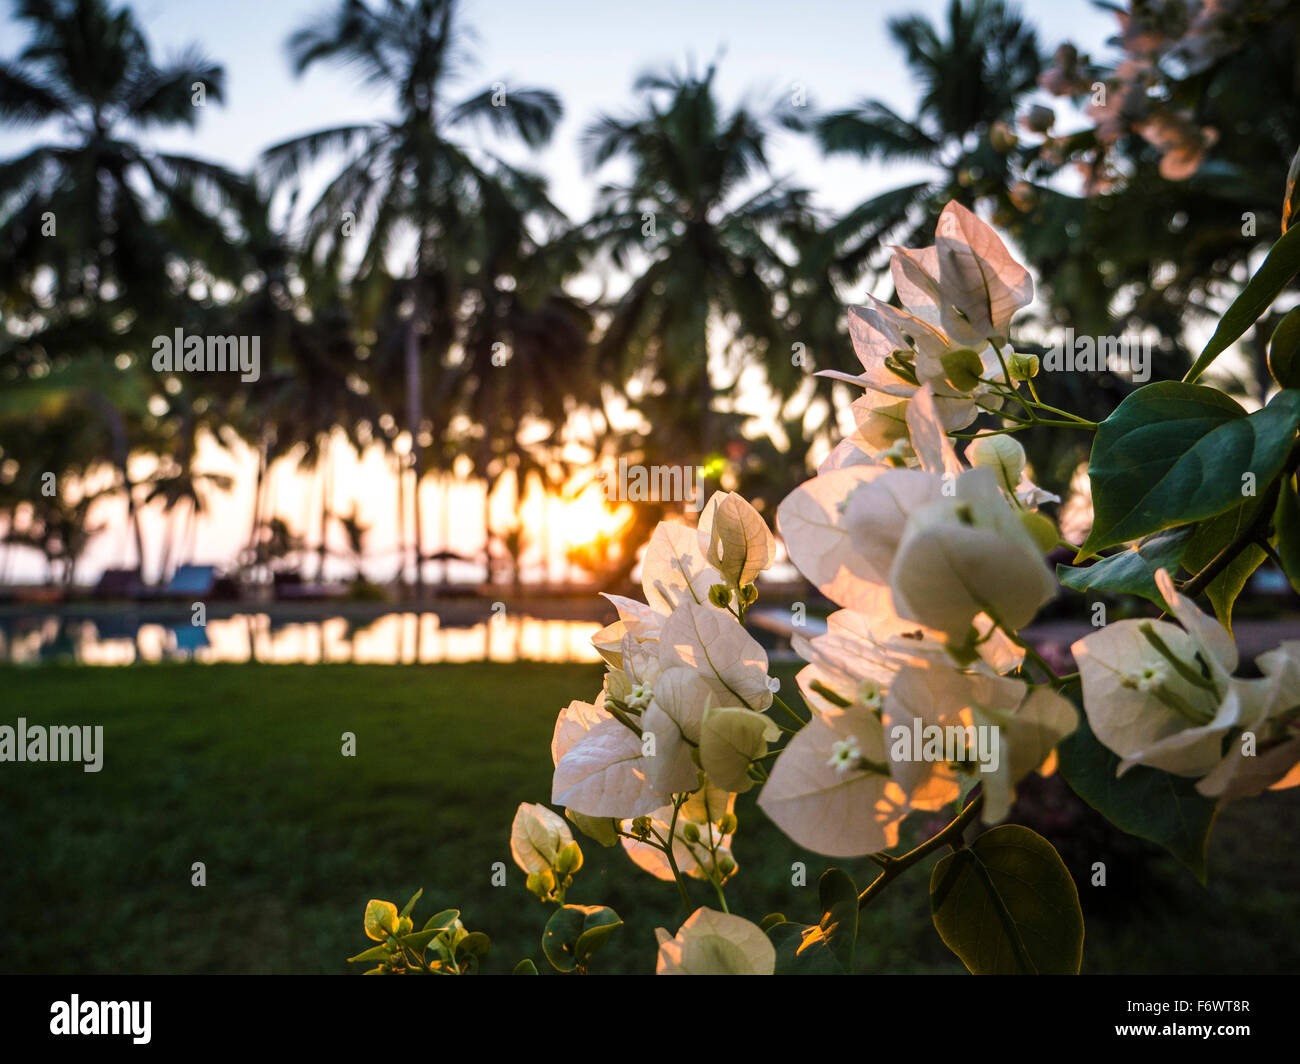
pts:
pixel 714 943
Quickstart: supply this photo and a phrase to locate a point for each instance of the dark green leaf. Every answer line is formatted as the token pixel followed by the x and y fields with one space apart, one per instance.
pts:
pixel 771 920
pixel 1284 350
pixel 1006 905
pixel 1273 275
pixel 839 924
pixel 1175 453
pixel 1286 524
pixel 567 927
pixel 410 905
pixel 1211 538
pixel 1168 810
pixel 374 953
pixel 1131 572
pixel 525 967
pixel 802 950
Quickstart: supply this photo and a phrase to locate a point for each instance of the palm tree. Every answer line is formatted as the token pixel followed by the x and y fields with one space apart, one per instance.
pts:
pixel 408 178
pixel 97 190
pixel 84 216
pixel 973 72
pixel 695 225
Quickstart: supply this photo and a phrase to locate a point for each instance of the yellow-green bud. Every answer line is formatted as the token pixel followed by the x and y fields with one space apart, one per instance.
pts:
pixel 405 926
pixel 963 368
pixel 1040 527
pixel 1000 453
pixel 1022 367
pixel 748 595
pixel 569 859
pixel 690 832
pixel 541 883
pixel 726 864
pixel 720 596
pixel 728 824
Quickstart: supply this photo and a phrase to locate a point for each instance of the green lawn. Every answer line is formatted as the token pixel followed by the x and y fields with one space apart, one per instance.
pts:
pixel 239 766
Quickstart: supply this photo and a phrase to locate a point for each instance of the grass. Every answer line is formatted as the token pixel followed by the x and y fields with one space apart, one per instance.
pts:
pixel 239 766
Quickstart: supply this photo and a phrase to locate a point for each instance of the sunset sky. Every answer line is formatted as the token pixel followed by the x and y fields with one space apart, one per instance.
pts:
pixel 589 54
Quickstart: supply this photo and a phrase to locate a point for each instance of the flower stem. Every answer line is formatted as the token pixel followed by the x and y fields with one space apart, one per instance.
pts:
pixel 896 866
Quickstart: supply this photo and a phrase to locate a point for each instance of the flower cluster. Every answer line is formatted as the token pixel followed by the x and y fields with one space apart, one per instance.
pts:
pixel 1163 695
pixel 683 708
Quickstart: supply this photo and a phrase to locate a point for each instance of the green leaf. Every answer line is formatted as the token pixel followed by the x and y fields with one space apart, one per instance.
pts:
pixel 839 924
pixel 771 920
pixel 1291 195
pixel 410 905
pixel 601 828
pixel 419 940
pixel 1006 905
pixel 1173 453
pixel 381 919
pixel 803 950
pixel 1167 810
pixel 374 953
pixel 1284 350
pixel 563 940
pixel 1274 274
pixel 443 920
pixel 1131 572
pixel 472 948
pixel 1286 524
pixel 1210 538
pixel 525 967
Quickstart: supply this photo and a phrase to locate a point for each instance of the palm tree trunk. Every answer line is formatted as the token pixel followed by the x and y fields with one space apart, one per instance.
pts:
pixel 414 415
pixel 401 520
pixel 325 499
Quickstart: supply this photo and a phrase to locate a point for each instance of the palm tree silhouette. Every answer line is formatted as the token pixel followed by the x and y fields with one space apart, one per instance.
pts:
pixel 409 181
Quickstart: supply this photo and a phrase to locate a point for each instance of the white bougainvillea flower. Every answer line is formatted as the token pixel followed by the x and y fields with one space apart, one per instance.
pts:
pixel 1016 732
pixel 537 836
pixel 713 643
pixel 731 738
pixel 1161 695
pixel 826 805
pixel 674 569
pixel 706 856
pixel 841 529
pixel 927 435
pixel 674 718
pixel 735 539
pixel 714 943
pixel 599 767
pixel 635 619
pixel 979 286
pixel 965 555
pixel 1270 727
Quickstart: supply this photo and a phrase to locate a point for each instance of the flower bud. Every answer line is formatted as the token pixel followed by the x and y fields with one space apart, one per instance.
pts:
pixel 691 833
pixel 720 596
pixel 1041 528
pixel 726 863
pixel 962 368
pixel 541 883
pixel 569 860
pixel 748 595
pixel 1002 454
pixel 1022 367
pixel 728 824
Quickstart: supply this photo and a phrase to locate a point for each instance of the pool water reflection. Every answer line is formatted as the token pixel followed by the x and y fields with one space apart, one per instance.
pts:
pixel 392 638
